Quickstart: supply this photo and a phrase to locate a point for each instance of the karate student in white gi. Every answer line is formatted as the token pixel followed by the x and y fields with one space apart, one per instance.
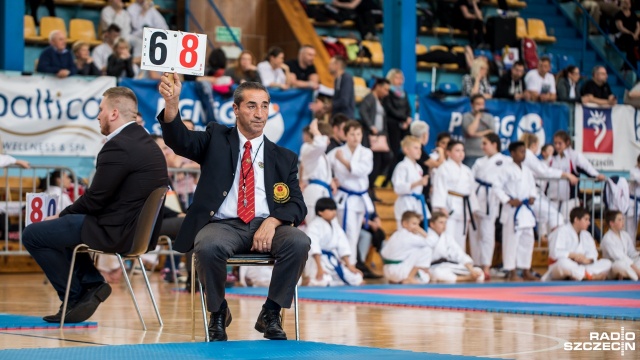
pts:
pixel 562 195
pixel 330 250
pixel 449 262
pixel 572 251
pixel 633 213
pixel 408 182
pixel 351 164
pixel 454 193
pixel 486 171
pixel 619 247
pixel 406 255
pixel 516 190
pixel 316 173
pixel 547 214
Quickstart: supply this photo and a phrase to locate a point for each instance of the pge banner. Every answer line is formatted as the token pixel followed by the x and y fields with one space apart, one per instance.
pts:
pixel 42 115
pixel 288 112
pixel 608 137
pixel 512 119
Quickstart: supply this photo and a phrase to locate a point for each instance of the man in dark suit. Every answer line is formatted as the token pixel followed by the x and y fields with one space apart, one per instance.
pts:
pixel 128 168
pixel 247 199
pixel 344 97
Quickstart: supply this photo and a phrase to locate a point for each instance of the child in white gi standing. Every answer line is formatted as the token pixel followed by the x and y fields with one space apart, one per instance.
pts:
pixel 316 174
pixel 408 182
pixel 634 191
pixel 619 247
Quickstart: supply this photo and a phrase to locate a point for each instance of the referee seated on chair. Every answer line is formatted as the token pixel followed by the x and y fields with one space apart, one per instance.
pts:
pixel 247 200
pixel 129 168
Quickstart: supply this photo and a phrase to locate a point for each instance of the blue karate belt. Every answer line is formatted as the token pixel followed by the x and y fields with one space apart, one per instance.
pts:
pixel 425 220
pixel 346 202
pixel 323 184
pixel 466 206
pixel 486 186
pixel 337 265
pixel 524 203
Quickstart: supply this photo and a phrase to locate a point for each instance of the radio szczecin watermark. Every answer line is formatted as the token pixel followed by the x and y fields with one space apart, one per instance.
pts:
pixel 605 341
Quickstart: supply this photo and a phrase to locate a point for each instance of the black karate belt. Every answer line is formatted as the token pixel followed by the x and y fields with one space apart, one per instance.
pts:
pixel 486 186
pixel 466 206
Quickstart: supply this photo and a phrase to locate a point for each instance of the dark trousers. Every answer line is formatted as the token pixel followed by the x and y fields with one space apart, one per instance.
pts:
pixel 475 32
pixel 381 161
pixel 35 4
pixel 364 20
pixel 221 239
pixel 51 244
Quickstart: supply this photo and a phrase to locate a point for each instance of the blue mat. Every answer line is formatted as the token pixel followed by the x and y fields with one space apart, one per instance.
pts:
pixel 223 350
pixel 22 322
pixel 605 299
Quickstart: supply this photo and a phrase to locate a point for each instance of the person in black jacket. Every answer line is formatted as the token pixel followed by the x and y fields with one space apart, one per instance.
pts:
pixel 398 111
pixel 129 168
pixel 120 63
pixel 511 85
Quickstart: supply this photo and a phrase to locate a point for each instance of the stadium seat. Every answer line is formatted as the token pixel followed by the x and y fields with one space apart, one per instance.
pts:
pixel 446 31
pixel 377 56
pixel 449 88
pixel 49 24
pixel 423 88
pixel 30 33
pixel 81 29
pixel 457 49
pixel 421 49
pixel 521 28
pixel 538 32
pixel 565 60
pixel 438 47
pixel 360 88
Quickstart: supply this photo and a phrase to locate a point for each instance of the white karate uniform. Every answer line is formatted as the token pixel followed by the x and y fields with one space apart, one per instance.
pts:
pixel 356 180
pixel 329 238
pixel 559 192
pixel 444 247
pixel 315 164
pixel 64 199
pixel 452 177
pixel 621 250
pixel 402 252
pixel 517 222
pixel 564 241
pixel 257 276
pixel 633 213
pixel 548 215
pixel 482 240
pixel 407 172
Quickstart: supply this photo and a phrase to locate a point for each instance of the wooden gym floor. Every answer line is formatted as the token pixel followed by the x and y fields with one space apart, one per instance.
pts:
pixel 439 331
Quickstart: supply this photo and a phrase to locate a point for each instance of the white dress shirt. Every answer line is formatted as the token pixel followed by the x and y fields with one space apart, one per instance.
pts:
pixel 270 75
pixel 151 18
pixel 118 130
pixel 229 207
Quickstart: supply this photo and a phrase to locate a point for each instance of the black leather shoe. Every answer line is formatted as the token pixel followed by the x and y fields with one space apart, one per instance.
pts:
pixel 57 317
pixel 88 304
pixel 270 324
pixel 217 325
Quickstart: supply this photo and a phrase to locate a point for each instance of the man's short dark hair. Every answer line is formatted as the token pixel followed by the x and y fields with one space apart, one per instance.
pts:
pixel 113 28
pixel 238 96
pixel 596 68
pixel 578 213
pixel 545 58
pixel 611 216
pixel 515 145
pixel 325 204
pixel 453 143
pixel 379 82
pixel 445 135
pixel 339 119
pixel 518 63
pixel 341 59
pixel 274 51
pixel 476 97
pixel 351 124
pixel 494 139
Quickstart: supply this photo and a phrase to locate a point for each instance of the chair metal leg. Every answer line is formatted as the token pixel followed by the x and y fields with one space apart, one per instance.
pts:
pixel 295 303
pixel 173 263
pixel 193 298
pixel 66 293
pixel 204 313
pixel 133 297
pixel 153 299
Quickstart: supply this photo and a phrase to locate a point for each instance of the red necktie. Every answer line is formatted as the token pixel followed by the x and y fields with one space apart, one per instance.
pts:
pixel 246 187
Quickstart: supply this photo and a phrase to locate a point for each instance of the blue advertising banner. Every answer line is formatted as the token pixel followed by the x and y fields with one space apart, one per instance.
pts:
pixel 512 119
pixel 288 112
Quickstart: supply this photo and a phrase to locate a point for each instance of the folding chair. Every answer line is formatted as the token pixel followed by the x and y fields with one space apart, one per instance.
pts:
pixel 141 239
pixel 236 260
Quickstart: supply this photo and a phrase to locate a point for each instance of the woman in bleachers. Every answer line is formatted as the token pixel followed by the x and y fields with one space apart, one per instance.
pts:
pixel 84 62
pixel 477 82
pixel 628 36
pixel 568 84
pixel 245 69
pixel 273 71
pixel 120 63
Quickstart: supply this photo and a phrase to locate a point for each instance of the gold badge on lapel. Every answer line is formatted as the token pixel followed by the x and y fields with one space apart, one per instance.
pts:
pixel 280 193
pixel 261 164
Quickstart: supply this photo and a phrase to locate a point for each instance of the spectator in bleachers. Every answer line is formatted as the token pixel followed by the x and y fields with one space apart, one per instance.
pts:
pixel 363 16
pixel 115 13
pixel 511 84
pixel 120 63
pixel 84 62
pixel 344 97
pixel 273 71
pixel 398 111
pixel 477 82
pixel 144 14
pixel 467 16
pixel 597 90
pixel 475 125
pixel 244 70
pixel 35 4
pixel 56 58
pixel 596 9
pixel 568 86
pixel 628 26
pixel 101 53
pixel 374 118
pixel 540 82
pixel 302 72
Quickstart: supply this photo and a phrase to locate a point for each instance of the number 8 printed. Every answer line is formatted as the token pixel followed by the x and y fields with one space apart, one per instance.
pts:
pixel 189 50
pixel 36 210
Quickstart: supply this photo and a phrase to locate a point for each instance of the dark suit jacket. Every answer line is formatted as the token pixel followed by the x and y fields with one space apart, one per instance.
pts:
pixel 129 167
pixel 217 150
pixel 344 97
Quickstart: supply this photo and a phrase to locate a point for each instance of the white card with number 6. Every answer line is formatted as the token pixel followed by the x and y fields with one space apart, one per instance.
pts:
pixel 40 206
pixel 173 51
